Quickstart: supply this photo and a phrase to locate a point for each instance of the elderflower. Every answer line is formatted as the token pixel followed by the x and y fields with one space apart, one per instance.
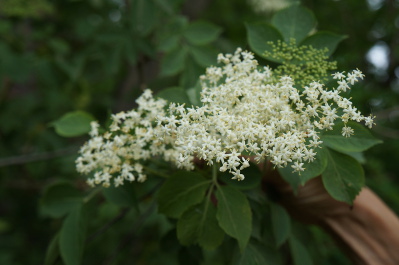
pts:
pixel 245 110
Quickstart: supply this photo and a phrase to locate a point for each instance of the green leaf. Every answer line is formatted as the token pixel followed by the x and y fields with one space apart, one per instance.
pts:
pixel 73 67
pixel 144 46
pixel 199 225
pixel 312 170
pixel 194 94
pixel 169 43
pixel 144 16
pixel 176 26
pixel 59 46
pixel 281 223
pixel 203 55
pixel 257 254
pixel 73 124
pixel 360 141
pixel 294 22
pixel 72 237
pixel 180 192
pixel 324 39
pixel 359 156
pixel 175 94
pixel 258 35
pixel 53 251
pixel 234 214
pixel 253 177
pixel 291 177
pixel 165 5
pixel 130 50
pixel 59 199
pixel 173 62
pixel 114 60
pixel 300 254
pixel 191 73
pixel 188 255
pixel 201 32
pixel 343 177
pixel 123 196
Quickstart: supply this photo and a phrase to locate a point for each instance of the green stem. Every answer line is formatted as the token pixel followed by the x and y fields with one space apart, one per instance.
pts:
pixel 211 189
pixel 215 173
pixel 91 195
pixel 154 172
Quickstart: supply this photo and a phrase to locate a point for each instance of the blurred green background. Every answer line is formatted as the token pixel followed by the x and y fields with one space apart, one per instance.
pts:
pixel 98 55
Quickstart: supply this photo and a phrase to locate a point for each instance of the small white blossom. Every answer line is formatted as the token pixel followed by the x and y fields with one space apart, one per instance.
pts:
pixel 338 75
pixel 297 166
pixel 347 131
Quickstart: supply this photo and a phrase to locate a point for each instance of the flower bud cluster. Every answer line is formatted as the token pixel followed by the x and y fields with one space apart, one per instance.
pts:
pixel 244 112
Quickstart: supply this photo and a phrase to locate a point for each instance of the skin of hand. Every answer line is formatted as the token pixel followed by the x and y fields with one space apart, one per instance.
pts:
pixel 368 231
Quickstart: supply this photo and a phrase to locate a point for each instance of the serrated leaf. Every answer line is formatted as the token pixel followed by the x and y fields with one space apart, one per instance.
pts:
pixel 180 192
pixel 204 56
pixel 175 94
pixel 234 214
pixel 258 35
pixel 324 39
pixel 199 225
pixel 343 177
pixel 173 62
pixel 73 124
pixel 281 223
pixel 72 237
pixel 52 252
pixel 312 170
pixel 59 199
pixel 201 32
pixel 253 177
pixel 300 254
pixel 123 196
pixel 360 141
pixel 294 22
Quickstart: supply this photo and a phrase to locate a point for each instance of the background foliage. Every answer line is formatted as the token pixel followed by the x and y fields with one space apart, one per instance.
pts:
pixel 97 56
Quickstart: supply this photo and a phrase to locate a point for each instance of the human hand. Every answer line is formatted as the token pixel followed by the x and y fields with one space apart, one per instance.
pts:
pixel 367 231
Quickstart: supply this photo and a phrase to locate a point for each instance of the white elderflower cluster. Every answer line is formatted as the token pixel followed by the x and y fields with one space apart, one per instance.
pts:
pixel 244 112
pixel 132 138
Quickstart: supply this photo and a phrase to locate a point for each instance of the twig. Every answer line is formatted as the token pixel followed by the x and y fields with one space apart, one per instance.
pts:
pixel 35 157
pixel 131 238
pixel 102 230
pixel 120 216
